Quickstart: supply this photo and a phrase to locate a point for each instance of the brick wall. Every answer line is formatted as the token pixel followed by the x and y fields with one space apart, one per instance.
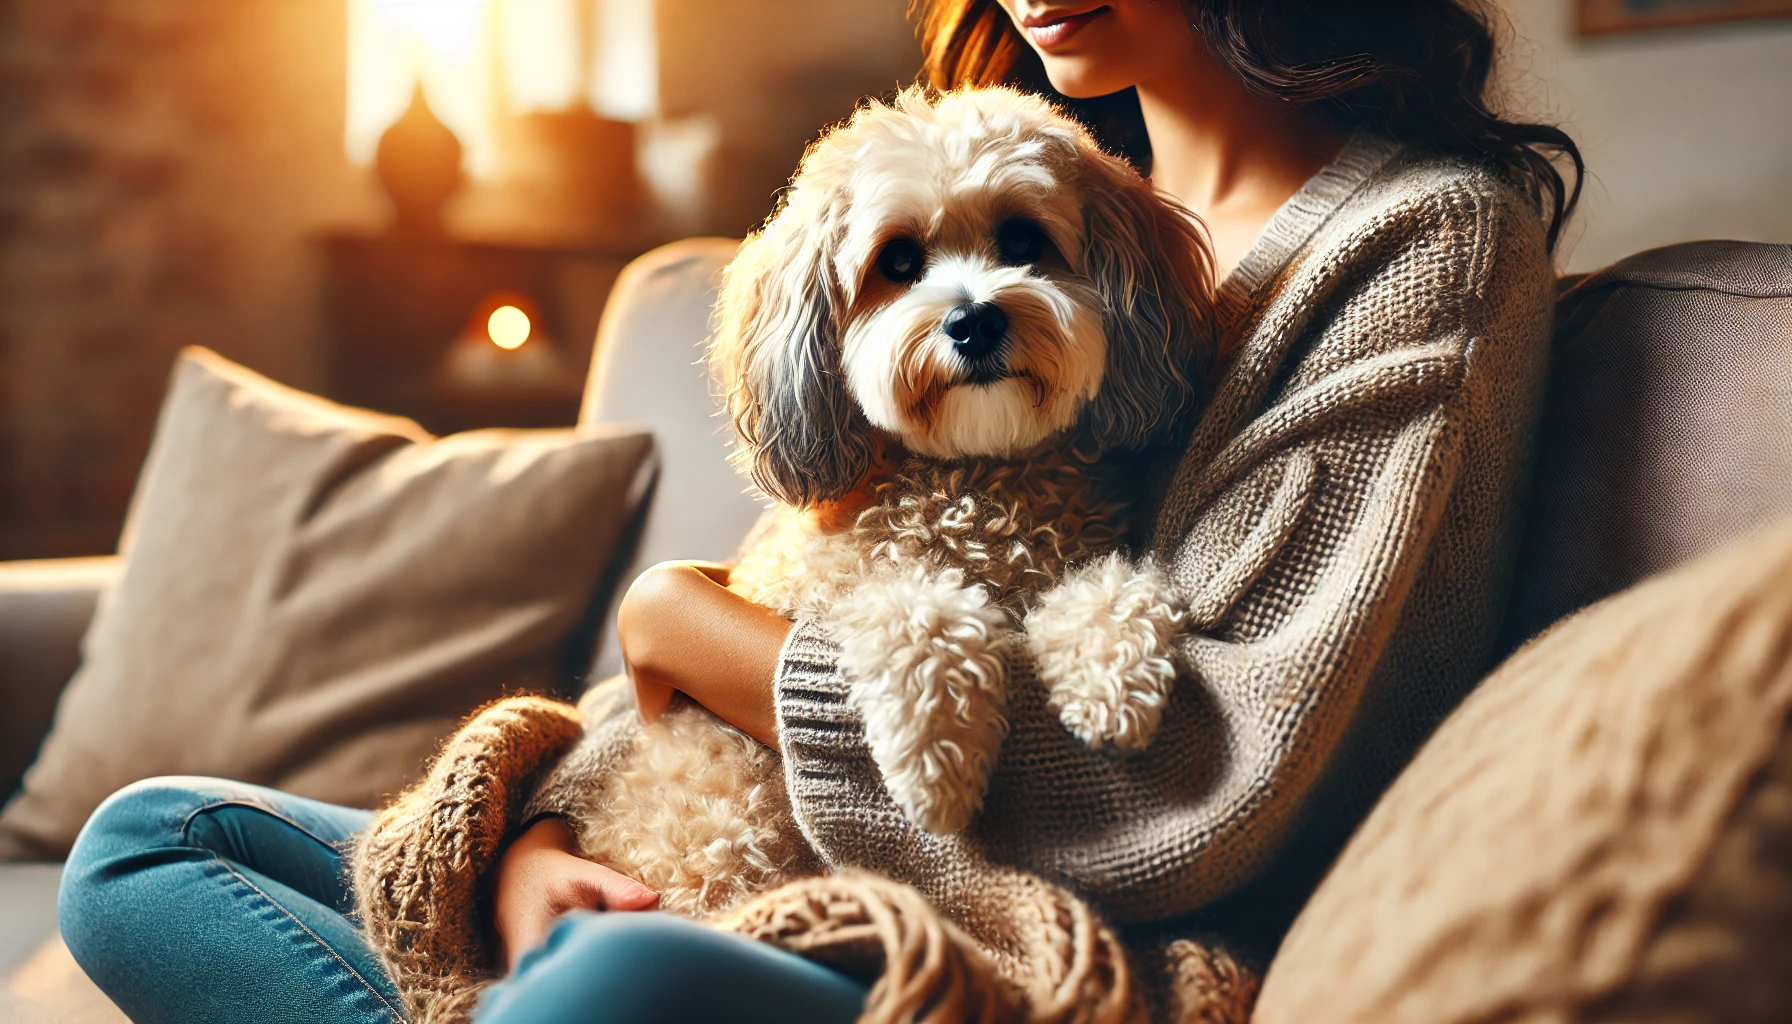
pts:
pixel 162 163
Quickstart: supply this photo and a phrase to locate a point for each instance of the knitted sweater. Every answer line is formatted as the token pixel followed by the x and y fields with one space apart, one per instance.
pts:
pixel 1343 516
pixel 1342 520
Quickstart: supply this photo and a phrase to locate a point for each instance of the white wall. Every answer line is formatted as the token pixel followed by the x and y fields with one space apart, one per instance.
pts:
pixel 1687 133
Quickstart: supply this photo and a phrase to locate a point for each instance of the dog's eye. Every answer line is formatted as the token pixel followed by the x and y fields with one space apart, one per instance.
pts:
pixel 900 260
pixel 1020 241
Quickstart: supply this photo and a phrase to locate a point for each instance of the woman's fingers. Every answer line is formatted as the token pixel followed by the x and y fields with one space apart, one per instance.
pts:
pixel 608 889
pixel 563 883
pixel 542 877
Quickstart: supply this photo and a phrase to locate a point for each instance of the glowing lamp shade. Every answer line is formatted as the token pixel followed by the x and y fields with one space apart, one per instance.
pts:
pixel 482 61
pixel 508 327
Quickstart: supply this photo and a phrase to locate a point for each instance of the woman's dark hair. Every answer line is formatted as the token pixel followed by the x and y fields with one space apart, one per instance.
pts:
pixel 1414 70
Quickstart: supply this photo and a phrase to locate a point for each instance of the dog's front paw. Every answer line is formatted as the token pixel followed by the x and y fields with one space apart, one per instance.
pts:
pixel 939 783
pixel 1103 641
pixel 924 654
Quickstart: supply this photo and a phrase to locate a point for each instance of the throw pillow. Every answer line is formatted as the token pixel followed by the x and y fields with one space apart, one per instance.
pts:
pixel 313 595
pixel 1600 832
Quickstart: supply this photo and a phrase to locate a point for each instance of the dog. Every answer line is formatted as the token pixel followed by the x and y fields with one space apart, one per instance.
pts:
pixel 941 355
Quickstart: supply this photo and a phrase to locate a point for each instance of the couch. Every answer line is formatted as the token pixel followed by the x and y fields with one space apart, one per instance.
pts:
pixel 1667 431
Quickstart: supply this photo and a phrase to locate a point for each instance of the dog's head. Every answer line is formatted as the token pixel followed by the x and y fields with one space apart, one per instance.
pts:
pixel 969 274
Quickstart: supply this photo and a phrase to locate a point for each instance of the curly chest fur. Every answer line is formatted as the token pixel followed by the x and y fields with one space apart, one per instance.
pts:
pixel 698 811
pixel 1010 528
pixel 930 587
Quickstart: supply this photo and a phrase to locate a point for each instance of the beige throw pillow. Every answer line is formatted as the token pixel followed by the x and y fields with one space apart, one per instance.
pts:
pixel 1602 832
pixel 313 595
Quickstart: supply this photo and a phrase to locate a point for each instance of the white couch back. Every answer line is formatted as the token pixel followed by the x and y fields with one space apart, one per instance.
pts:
pixel 648 368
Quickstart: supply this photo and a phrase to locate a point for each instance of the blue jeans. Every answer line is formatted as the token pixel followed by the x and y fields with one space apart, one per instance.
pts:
pixel 203 901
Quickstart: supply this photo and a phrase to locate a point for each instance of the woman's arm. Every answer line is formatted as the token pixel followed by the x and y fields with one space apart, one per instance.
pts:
pixel 682 631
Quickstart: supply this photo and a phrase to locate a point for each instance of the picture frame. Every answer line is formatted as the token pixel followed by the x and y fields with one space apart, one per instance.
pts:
pixel 1610 17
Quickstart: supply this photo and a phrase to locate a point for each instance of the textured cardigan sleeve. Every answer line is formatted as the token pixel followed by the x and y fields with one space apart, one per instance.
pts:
pixel 1339 522
pixel 423 869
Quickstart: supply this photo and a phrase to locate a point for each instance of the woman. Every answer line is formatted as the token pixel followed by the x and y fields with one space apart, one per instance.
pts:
pixel 1343 515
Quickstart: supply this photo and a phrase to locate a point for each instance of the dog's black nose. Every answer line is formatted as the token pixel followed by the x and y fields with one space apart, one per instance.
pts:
pixel 976 329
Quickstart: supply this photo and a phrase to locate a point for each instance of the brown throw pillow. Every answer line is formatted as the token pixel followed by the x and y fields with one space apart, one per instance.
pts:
pixel 314 595
pixel 1602 832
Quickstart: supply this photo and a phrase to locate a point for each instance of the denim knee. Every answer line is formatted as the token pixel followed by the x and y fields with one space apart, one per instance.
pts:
pixel 149 814
pixel 156 800
pixel 143 816
pixel 190 899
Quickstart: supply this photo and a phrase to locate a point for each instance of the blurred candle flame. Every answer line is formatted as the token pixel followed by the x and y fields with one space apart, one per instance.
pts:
pixel 508 327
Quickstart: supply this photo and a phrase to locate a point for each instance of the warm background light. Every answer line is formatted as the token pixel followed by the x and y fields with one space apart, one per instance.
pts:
pixel 483 60
pixel 508 327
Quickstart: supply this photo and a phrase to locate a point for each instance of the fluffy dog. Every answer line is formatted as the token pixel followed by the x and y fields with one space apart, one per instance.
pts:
pixel 938 355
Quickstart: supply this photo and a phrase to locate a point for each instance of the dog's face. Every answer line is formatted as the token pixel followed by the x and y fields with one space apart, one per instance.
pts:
pixel 967 331
pixel 971 276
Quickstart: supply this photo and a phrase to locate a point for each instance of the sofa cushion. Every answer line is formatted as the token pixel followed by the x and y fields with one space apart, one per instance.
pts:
pixel 50 988
pixel 1668 426
pixel 27 911
pixel 45 607
pixel 1602 831
pixel 313 595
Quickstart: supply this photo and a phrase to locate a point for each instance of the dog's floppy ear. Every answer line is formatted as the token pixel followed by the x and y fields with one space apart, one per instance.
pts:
pixel 775 351
pixel 1150 260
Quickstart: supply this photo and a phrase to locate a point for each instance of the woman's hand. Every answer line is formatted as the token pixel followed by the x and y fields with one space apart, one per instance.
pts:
pixel 541 877
pixel 683 631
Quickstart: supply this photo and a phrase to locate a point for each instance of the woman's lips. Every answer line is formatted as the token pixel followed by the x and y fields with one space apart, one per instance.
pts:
pixel 1048 34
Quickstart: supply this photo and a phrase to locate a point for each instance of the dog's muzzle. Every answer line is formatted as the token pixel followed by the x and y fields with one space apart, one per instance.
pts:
pixel 977 330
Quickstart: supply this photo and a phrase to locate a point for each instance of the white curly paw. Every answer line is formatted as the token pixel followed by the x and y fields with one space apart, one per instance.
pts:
pixel 1128 724
pixel 1104 642
pixel 924 655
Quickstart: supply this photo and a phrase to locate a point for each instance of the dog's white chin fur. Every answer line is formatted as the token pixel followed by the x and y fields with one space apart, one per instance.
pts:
pixel 994 420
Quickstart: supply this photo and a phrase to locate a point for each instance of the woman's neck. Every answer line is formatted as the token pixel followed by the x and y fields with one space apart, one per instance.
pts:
pixel 1228 155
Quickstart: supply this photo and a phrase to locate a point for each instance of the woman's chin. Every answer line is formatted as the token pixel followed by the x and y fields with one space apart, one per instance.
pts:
pixel 1081 77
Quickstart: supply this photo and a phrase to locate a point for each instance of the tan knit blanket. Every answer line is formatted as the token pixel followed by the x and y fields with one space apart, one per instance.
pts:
pixel 422 868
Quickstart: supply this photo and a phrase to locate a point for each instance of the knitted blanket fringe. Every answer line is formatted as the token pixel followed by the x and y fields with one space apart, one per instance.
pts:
pixel 927 971
pixel 419 872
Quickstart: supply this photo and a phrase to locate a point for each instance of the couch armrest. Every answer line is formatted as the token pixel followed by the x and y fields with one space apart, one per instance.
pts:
pixel 44 610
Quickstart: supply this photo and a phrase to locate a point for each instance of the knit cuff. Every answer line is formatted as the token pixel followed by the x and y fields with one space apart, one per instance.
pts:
pixel 823 741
